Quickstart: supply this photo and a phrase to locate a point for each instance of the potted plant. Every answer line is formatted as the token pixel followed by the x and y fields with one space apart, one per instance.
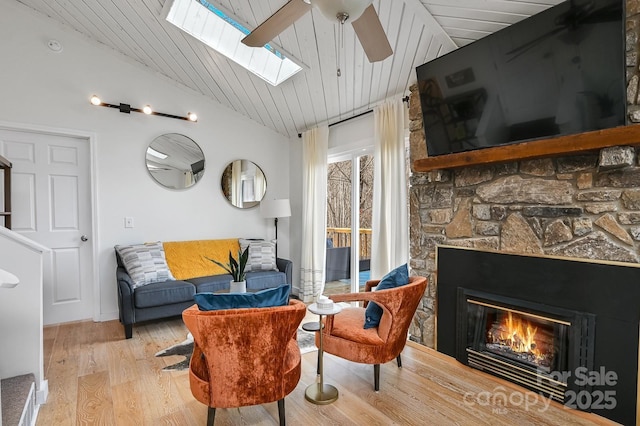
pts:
pixel 236 269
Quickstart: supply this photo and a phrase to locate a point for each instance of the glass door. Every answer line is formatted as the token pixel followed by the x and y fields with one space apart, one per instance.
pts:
pixel 349 221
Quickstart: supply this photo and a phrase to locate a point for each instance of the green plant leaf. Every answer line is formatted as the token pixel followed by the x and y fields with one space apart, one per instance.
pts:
pixel 222 265
pixel 235 268
pixel 243 259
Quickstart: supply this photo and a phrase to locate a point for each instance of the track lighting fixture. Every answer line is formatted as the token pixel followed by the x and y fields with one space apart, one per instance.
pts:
pixel 126 108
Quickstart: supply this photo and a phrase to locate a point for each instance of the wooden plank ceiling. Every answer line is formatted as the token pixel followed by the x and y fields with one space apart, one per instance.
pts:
pixel 418 30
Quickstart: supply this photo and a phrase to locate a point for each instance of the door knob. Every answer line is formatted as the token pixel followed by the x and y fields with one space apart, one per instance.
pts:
pixel 84 238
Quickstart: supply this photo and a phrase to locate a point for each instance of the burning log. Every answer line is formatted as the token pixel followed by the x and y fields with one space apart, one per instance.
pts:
pixel 516 338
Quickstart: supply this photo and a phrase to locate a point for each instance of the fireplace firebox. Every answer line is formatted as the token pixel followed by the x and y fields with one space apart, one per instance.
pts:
pixel 585 314
pixel 527 343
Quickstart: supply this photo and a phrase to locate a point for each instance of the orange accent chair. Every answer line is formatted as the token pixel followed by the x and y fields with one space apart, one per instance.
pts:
pixel 244 357
pixel 345 335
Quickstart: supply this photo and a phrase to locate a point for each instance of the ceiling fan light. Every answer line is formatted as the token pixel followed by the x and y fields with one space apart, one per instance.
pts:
pixel 331 8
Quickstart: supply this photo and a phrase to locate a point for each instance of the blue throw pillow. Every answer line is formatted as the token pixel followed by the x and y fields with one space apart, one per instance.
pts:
pixel 278 296
pixel 396 278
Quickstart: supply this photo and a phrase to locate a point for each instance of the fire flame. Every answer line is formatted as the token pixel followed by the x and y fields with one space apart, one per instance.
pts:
pixel 518 334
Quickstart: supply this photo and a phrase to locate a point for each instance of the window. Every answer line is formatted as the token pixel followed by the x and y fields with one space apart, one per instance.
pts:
pixel 222 32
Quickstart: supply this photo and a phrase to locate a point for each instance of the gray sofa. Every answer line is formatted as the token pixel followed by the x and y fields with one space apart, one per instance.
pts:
pixel 169 298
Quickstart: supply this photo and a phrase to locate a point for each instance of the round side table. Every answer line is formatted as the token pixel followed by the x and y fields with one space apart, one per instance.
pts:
pixel 321 393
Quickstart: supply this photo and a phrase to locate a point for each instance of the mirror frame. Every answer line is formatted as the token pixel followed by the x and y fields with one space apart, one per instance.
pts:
pixel 258 184
pixel 181 172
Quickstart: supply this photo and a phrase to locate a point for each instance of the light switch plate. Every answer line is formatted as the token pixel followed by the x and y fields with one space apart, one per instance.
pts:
pixel 128 222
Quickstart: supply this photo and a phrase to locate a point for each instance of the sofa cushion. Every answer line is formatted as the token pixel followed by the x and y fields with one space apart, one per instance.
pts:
pixel 396 278
pixel 268 298
pixel 188 259
pixel 211 283
pixel 163 293
pixel 145 263
pixel 265 279
pixel 262 255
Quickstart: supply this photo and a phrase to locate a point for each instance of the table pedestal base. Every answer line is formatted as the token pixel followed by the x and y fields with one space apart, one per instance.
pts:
pixel 321 394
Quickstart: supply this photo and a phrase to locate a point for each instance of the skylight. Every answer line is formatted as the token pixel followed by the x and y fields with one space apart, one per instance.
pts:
pixel 220 31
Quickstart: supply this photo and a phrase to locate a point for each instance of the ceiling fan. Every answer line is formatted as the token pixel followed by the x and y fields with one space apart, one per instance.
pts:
pixel 576 17
pixel 362 14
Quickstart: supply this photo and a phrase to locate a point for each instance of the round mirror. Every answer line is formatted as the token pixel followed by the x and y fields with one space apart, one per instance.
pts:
pixel 243 183
pixel 175 161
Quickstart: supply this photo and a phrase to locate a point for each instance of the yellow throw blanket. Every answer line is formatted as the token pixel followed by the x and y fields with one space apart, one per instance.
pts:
pixel 188 259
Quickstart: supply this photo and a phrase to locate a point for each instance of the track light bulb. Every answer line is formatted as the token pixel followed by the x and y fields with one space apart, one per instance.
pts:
pixel 192 116
pixel 95 100
pixel 147 109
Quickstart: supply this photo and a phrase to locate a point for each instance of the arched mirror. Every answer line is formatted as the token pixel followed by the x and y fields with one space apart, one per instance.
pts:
pixel 243 183
pixel 175 161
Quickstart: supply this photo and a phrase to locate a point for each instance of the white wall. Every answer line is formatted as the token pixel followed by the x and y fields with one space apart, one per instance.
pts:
pixel 38 86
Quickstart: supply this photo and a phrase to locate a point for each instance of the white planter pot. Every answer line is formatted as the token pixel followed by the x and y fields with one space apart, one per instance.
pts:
pixel 238 287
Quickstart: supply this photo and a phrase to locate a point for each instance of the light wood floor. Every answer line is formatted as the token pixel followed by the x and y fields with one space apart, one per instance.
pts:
pixel 96 377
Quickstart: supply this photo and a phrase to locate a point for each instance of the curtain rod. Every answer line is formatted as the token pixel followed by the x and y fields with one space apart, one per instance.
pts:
pixel 405 99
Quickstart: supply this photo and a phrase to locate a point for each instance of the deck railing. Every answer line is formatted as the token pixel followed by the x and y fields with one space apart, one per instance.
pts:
pixel 341 237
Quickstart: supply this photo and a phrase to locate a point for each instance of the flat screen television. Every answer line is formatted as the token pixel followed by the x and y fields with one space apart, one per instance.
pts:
pixel 197 167
pixel 559 72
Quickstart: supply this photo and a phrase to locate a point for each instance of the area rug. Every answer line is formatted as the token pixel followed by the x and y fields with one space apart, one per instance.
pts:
pixel 306 342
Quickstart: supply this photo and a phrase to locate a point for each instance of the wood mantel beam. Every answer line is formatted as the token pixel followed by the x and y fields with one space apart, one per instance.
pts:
pixel 562 145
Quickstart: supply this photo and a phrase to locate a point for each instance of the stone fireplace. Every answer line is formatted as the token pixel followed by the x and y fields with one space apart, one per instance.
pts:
pixel 581 206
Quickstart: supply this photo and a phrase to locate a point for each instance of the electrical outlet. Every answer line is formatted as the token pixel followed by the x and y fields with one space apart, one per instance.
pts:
pixel 128 222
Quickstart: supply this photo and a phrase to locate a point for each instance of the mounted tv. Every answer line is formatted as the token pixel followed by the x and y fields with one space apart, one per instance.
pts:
pixel 197 167
pixel 556 73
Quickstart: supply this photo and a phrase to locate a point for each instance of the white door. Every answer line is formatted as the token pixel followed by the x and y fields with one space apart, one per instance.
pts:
pixel 51 204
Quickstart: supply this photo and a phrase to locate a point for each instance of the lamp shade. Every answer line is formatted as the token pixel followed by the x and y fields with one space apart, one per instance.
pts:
pixel 331 8
pixel 275 208
pixel 7 279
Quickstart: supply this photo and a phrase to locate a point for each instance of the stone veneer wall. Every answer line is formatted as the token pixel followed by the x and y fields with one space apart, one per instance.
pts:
pixel 585 206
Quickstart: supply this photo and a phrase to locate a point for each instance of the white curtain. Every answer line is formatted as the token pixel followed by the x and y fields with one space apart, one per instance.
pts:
pixel 236 183
pixel 390 229
pixel 260 185
pixel 189 178
pixel 315 144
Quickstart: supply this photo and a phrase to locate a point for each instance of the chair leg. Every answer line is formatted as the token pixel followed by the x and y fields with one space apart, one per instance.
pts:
pixel 376 377
pixel 211 416
pixel 399 360
pixel 281 414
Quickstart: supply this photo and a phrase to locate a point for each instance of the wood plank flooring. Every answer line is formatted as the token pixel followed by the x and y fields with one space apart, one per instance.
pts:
pixel 96 377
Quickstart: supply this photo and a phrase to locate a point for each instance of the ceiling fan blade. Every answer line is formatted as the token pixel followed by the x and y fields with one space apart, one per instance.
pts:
pixel 369 30
pixel 276 23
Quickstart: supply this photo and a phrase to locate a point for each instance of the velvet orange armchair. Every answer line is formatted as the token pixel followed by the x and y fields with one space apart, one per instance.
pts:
pixel 244 357
pixel 346 337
